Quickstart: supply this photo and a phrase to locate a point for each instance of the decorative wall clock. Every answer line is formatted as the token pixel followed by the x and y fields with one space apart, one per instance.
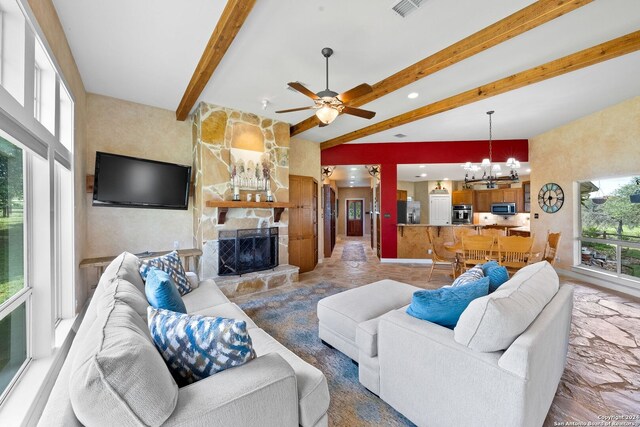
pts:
pixel 551 197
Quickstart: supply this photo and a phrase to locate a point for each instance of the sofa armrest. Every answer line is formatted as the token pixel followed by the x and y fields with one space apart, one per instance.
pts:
pixel 262 392
pixel 193 279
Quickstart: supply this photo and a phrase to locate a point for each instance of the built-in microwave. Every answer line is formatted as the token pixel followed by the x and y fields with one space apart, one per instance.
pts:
pixel 503 209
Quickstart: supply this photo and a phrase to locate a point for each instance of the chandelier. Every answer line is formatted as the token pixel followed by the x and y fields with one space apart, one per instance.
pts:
pixel 491 172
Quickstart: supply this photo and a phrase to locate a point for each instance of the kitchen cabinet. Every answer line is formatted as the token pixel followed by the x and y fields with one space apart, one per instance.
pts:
pixel 439 209
pixel 482 201
pixel 401 195
pixel 484 198
pixel 462 197
pixel 303 222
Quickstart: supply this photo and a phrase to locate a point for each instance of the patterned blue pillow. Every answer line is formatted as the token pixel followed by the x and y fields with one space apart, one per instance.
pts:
pixel 488 266
pixel 161 292
pixel 172 265
pixel 445 305
pixel 469 276
pixel 196 347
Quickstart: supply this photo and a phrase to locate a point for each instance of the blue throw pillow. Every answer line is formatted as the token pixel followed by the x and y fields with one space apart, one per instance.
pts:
pixel 161 292
pixel 171 264
pixel 496 273
pixel 196 347
pixel 488 266
pixel 445 305
pixel 497 277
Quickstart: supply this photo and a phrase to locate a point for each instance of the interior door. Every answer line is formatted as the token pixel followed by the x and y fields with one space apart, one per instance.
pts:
pixel 354 217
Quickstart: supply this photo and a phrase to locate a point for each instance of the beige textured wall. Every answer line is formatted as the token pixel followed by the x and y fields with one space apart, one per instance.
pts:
pixel 407 186
pixel 47 17
pixel 354 193
pixel 422 195
pixel 602 145
pixel 122 127
pixel 304 159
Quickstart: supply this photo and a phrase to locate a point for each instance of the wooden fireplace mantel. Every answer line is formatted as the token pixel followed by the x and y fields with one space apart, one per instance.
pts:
pixel 224 206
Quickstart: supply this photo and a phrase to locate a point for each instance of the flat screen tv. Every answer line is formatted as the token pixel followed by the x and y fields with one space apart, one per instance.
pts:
pixel 140 183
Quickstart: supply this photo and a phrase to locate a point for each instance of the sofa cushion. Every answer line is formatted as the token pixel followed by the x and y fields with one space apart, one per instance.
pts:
pixel 367 337
pixel 313 391
pixel 469 276
pixel 206 295
pixel 118 377
pixel 196 347
pixel 228 310
pixel 445 305
pixel 171 264
pixel 162 293
pixel 131 289
pixel 493 322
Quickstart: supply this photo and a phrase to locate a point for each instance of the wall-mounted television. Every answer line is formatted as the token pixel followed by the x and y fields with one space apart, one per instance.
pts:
pixel 140 183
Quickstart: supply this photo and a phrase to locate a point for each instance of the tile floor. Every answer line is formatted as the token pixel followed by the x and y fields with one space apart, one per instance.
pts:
pixel 602 375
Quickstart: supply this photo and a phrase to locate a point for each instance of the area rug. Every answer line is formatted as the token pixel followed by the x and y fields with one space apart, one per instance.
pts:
pixel 291 319
pixel 353 252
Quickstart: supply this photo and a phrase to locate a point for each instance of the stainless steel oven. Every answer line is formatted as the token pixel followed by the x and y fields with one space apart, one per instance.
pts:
pixel 462 214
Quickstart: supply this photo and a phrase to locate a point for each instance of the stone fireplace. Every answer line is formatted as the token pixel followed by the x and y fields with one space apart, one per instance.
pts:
pixel 217 132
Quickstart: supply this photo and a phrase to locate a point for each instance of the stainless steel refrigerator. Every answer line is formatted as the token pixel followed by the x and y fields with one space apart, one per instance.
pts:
pixel 408 212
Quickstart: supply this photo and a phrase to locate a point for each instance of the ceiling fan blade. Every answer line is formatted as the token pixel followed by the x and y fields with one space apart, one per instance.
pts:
pixel 303 90
pixel 365 114
pixel 290 110
pixel 354 93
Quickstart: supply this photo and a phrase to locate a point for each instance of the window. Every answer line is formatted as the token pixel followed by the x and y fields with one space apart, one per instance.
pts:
pixel 12 46
pixel 36 208
pixel 610 219
pixel 14 296
pixel 44 93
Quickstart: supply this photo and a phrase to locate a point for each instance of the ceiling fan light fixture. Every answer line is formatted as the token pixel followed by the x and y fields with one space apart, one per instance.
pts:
pixel 327 114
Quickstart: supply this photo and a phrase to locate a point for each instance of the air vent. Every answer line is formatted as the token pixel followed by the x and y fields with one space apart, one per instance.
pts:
pixel 400 135
pixel 405 7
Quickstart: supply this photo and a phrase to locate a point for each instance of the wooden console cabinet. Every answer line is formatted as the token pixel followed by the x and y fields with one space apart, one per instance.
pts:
pixel 303 222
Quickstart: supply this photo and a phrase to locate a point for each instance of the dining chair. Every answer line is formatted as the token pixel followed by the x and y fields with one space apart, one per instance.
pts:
pixel 514 252
pixel 460 231
pixel 494 232
pixel 476 249
pixel 438 254
pixel 551 247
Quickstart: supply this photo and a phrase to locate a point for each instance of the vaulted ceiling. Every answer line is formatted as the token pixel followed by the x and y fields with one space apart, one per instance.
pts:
pixel 146 51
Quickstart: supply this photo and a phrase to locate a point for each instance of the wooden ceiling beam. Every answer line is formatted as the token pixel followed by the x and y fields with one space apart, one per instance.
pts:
pixel 603 52
pixel 229 24
pixel 513 25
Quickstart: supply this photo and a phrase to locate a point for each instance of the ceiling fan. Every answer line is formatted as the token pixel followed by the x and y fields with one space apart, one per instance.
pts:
pixel 329 104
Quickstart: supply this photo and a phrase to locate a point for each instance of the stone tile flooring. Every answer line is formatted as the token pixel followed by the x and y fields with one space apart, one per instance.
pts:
pixel 602 376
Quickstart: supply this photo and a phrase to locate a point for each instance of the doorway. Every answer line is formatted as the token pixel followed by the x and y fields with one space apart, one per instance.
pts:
pixel 355 217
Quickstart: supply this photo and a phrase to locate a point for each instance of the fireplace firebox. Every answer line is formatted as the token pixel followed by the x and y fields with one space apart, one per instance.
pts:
pixel 248 250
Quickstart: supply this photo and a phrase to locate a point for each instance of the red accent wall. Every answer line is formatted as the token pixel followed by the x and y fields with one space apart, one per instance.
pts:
pixel 389 155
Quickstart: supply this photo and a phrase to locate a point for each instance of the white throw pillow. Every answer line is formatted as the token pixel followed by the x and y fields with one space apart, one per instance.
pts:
pixel 493 322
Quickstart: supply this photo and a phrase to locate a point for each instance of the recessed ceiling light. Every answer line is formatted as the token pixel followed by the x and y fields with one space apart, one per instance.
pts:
pixel 423 174
pixel 352 177
pixel 354 169
pixel 423 166
pixel 528 170
pixel 446 179
pixel 351 186
pixel 351 182
pixel 413 95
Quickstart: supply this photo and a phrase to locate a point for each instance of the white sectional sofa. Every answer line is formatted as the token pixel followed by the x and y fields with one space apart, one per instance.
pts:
pixel 500 366
pixel 114 375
